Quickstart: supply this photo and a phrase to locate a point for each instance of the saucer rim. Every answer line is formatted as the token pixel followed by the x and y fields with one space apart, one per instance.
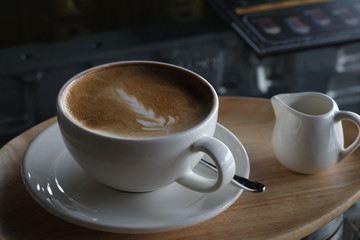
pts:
pixel 128 229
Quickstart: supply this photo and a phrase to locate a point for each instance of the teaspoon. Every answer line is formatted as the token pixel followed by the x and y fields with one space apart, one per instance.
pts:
pixel 242 182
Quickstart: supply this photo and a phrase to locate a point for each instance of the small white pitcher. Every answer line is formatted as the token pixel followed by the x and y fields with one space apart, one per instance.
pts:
pixel 308 135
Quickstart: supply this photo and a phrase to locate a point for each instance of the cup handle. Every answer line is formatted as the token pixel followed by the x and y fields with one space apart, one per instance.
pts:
pixel 223 159
pixel 355 118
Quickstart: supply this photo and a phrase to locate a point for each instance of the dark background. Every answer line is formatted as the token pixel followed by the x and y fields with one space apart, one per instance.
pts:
pixel 45 42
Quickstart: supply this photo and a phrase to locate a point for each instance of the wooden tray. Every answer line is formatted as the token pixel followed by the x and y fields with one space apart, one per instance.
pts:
pixel 292 207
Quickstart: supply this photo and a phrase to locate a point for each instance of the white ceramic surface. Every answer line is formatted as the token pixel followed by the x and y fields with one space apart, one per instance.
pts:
pixel 308 135
pixel 60 186
pixel 118 161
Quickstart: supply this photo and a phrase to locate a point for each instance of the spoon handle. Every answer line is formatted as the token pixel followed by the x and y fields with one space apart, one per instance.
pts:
pixel 242 182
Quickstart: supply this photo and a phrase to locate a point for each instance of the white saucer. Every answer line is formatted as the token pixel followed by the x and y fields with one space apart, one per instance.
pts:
pixel 59 185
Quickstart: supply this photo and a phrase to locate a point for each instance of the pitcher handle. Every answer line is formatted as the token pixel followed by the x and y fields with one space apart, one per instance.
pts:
pixel 355 118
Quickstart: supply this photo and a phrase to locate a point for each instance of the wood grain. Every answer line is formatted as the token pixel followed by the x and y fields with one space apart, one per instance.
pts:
pixel 292 206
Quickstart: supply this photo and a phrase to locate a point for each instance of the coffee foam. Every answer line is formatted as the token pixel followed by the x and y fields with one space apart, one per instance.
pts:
pixel 135 100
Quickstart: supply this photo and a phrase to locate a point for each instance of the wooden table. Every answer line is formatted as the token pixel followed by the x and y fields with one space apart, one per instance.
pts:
pixel 292 206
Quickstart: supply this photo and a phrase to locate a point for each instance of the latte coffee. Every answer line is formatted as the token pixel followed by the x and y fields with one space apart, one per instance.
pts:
pixel 137 99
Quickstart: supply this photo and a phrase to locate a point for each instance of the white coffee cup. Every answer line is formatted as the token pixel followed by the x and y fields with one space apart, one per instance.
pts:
pixel 132 162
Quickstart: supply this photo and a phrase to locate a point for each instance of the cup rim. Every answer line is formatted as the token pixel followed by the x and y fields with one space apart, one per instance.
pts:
pixel 61 111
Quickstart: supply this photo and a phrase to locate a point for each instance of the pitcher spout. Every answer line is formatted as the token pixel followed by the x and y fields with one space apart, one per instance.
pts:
pixel 281 103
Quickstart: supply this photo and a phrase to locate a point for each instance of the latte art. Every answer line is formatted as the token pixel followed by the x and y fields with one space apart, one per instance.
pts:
pixel 147 117
pixel 133 100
